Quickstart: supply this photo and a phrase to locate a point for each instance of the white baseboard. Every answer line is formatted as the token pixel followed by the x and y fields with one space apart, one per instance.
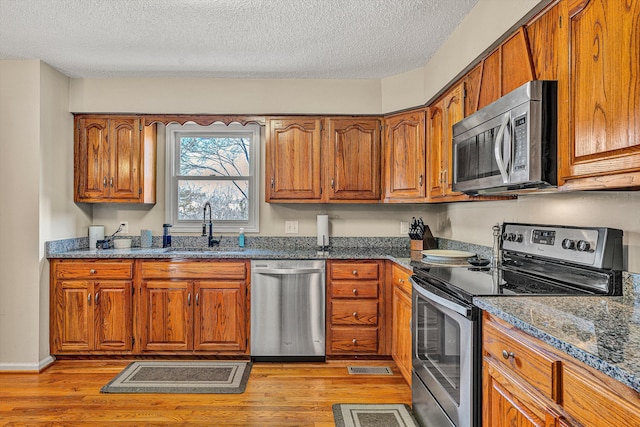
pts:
pixel 29 367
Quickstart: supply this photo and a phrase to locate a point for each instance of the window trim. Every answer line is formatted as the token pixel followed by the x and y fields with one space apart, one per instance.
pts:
pixel 171 182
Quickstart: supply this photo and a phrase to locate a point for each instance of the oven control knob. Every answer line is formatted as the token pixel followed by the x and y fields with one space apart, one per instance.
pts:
pixel 583 246
pixel 505 236
pixel 568 244
pixel 519 238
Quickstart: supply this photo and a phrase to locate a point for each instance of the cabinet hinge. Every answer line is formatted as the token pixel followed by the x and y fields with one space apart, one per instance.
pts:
pixel 139 191
pixel 133 341
pixel 560 21
pixel 464 93
pixel 140 127
pixel 133 291
pixel 321 126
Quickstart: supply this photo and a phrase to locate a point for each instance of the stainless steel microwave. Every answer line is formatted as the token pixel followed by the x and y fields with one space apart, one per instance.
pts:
pixel 509 145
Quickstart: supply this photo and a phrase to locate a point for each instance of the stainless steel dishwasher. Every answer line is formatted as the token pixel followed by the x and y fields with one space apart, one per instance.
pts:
pixel 287 310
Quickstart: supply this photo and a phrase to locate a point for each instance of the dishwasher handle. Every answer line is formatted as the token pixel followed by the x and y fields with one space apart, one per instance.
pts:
pixel 287 271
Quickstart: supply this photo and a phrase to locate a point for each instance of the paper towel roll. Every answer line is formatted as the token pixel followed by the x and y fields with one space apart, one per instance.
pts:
pixel 323 230
pixel 96 232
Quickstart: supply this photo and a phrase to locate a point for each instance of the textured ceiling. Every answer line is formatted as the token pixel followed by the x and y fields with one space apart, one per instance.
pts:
pixel 228 38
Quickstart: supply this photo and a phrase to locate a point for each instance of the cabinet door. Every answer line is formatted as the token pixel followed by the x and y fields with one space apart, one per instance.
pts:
pixel 112 313
pixel 91 170
pixel 604 133
pixel 124 157
pixel 353 159
pixel 441 117
pixel 220 316
pixel 293 160
pixel 73 329
pixel 404 162
pixel 506 404
pixel 401 332
pixel 166 315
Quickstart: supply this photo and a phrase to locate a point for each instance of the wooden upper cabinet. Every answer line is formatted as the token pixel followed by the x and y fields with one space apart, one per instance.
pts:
pixel 293 159
pixel 114 159
pixel 441 116
pixel 604 112
pixel 352 162
pixel 404 154
pixel 505 69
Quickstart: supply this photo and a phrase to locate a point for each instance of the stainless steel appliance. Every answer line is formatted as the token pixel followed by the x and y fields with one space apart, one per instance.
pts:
pixel 288 310
pixel 537 260
pixel 509 145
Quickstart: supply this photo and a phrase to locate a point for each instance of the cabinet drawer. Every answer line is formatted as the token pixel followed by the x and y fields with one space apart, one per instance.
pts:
pixel 598 401
pixel 354 340
pixel 361 289
pixel 194 270
pixel 94 270
pixel 354 271
pixel 539 369
pixel 400 278
pixel 354 312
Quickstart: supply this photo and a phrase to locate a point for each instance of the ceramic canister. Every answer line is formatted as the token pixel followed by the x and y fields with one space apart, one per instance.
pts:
pixel 96 232
pixel 145 238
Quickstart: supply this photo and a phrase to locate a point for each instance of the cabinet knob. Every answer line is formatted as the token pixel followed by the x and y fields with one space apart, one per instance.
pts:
pixel 355 272
pixel 355 341
pixel 401 280
pixel 508 354
pixel 355 314
pixel 355 291
pixel 92 271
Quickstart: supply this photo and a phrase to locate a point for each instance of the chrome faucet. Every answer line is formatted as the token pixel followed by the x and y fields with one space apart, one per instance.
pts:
pixel 212 241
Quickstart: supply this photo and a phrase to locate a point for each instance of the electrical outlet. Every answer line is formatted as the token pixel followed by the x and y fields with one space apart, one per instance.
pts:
pixel 125 227
pixel 291 227
pixel 404 227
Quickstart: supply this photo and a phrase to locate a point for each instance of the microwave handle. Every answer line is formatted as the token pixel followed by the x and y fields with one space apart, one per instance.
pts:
pixel 498 149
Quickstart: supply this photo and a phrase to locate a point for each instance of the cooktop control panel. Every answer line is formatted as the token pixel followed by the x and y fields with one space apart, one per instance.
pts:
pixel 598 247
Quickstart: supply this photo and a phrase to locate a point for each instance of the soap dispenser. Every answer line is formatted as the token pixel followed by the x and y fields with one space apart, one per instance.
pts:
pixel 166 237
pixel 241 238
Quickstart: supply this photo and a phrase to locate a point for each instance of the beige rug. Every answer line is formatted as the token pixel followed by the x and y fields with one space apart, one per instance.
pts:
pixel 181 377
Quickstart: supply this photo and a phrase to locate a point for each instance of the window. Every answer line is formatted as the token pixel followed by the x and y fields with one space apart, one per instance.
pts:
pixel 217 164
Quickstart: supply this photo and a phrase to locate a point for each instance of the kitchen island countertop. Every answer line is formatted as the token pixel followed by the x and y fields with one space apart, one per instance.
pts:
pixel 602 332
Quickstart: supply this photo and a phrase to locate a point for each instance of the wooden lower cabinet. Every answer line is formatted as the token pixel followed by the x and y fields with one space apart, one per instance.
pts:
pixel 355 308
pixel 91 307
pixel 149 307
pixel 401 320
pixel 528 383
pixel 193 306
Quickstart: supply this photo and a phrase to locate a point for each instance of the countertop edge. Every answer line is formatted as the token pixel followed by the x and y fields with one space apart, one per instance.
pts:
pixel 569 349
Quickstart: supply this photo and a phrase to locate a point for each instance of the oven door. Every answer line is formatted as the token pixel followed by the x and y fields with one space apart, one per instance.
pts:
pixel 445 334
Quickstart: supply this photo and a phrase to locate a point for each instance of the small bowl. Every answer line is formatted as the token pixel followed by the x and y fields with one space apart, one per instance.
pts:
pixel 478 262
pixel 122 243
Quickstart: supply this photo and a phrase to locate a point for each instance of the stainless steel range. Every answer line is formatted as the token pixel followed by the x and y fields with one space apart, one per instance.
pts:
pixel 536 260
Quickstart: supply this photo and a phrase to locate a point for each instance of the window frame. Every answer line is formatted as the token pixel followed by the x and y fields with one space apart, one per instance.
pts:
pixel 172 152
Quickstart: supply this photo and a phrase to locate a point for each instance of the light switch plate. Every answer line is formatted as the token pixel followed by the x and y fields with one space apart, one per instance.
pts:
pixel 404 227
pixel 291 227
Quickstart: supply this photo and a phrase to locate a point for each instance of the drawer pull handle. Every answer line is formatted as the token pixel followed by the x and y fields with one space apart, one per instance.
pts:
pixel 355 272
pixel 189 299
pixel 355 291
pixel 89 299
pixel 92 271
pixel 508 354
pixel 355 314
pixel 97 298
pixel 355 341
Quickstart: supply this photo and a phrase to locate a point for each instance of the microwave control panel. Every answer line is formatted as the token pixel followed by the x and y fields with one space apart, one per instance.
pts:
pixel 520 154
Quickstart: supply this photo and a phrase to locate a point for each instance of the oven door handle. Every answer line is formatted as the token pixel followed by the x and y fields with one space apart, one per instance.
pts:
pixel 460 309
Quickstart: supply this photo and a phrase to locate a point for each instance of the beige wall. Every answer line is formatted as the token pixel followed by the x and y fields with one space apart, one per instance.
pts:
pixel 36 167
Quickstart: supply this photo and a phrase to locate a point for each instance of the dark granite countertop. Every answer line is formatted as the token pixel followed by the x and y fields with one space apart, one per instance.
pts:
pixel 602 332
pixel 398 255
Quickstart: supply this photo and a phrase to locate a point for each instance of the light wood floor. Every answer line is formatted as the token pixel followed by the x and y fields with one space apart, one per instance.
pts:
pixel 292 394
